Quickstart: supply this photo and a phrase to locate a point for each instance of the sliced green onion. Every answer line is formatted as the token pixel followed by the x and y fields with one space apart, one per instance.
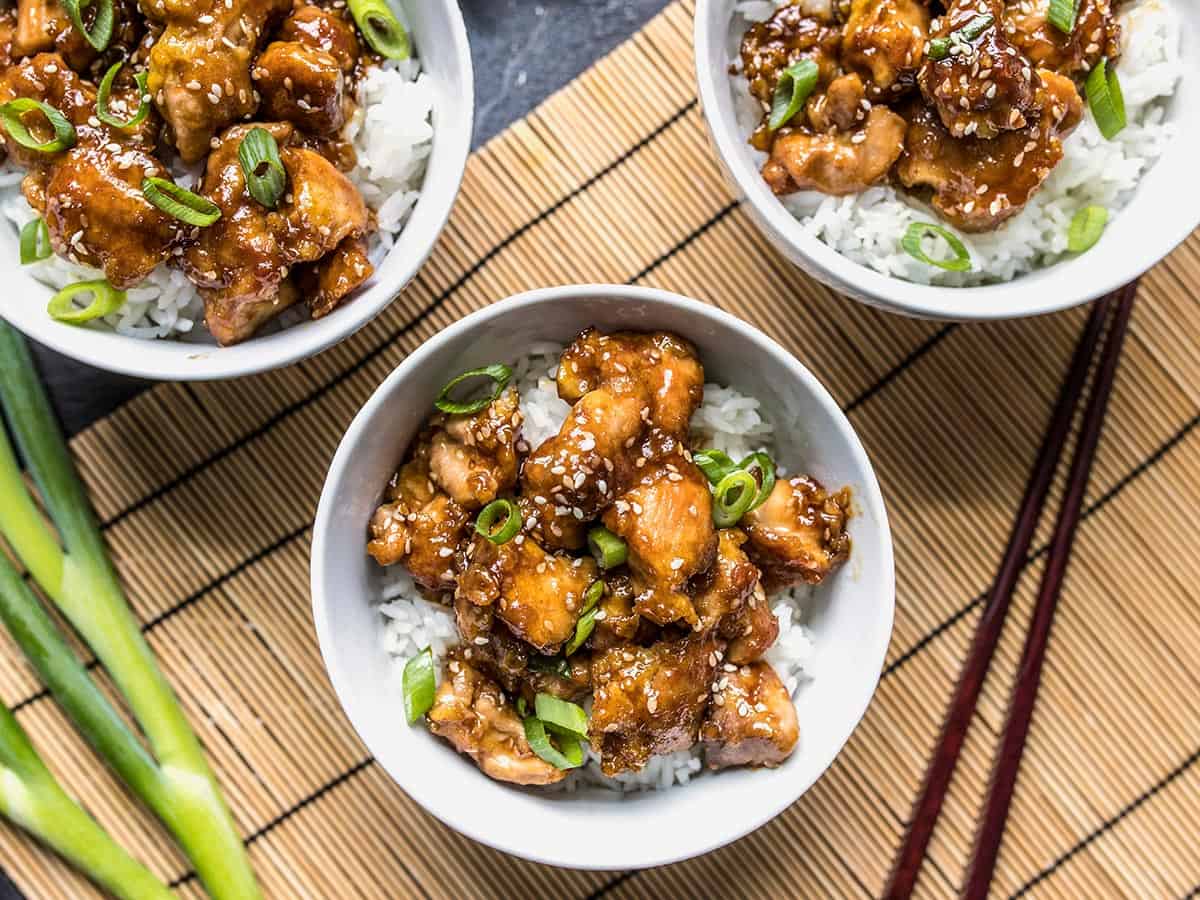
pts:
pixel 714 464
pixel 35 241
pixel 1106 99
pixel 381 28
pixel 974 28
pixel 419 687
pixel 567 755
pixel 1062 14
pixel 490 515
pixel 522 707
pixel 1086 228
pixel 64 131
pixel 561 716
pixel 266 177
pixel 102 25
pixel 587 621
pixel 192 209
pixel 733 497
pixel 104 114
pixel 796 82
pixel 610 551
pixel 917 231
pixel 592 596
pixel 106 300
pixel 939 48
pixel 766 481
pixel 500 374
pixel 551 665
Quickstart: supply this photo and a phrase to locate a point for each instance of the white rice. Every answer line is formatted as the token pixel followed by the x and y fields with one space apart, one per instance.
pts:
pixel 392 133
pixel 726 420
pixel 1094 171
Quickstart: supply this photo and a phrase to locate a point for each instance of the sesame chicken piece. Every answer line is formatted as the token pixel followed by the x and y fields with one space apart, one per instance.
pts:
pixel 538 595
pixel 324 29
pixel 90 195
pixel 751 720
pixel 472 713
pixel 43 26
pixel 979 184
pixel 418 525
pixel 836 163
pixel 570 478
pixel 302 85
pixel 650 700
pixel 799 533
pixel 617 621
pixel 327 283
pixel 1096 36
pixel 661 370
pixel 665 519
pixel 473 457
pixel 840 107
pixel 751 630
pixel 723 589
pixel 984 86
pixel 576 684
pixel 884 42
pixel 200 65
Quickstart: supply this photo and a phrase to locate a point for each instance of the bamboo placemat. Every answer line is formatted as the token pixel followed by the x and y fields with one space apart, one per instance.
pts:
pixel 207 493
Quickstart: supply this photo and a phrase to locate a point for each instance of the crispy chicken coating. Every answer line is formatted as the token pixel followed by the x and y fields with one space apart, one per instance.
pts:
pixel 1096 36
pixel 884 42
pixel 43 26
pixel 837 163
pixel 751 720
pixel 241 262
pixel 418 525
pixel 473 457
pixel 984 86
pixel 665 519
pixel 538 595
pixel 302 85
pixel 90 195
pixel 799 534
pixel 200 65
pixel 729 598
pixel 650 700
pixel 327 283
pixel 324 29
pixel 472 713
pixel 979 184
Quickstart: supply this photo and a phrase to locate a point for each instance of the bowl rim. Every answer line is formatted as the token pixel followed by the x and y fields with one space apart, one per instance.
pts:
pixel 1066 284
pixel 869 496
pixel 174 360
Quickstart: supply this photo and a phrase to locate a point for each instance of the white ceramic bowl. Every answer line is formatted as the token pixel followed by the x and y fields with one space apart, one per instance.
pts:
pixel 1138 237
pixel 595 829
pixel 440 40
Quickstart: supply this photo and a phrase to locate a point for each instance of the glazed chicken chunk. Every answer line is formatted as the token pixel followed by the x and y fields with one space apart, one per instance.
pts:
pixel 884 42
pixel 729 598
pixel 1096 36
pixel 751 720
pixel 302 85
pixel 472 713
pixel 650 700
pixel 473 457
pixel 200 65
pixel 538 595
pixel 242 262
pixel 43 26
pixel 837 163
pixel 325 284
pixel 799 533
pixel 323 29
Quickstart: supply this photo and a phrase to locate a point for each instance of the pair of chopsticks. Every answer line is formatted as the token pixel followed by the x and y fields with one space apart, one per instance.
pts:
pixel 912 852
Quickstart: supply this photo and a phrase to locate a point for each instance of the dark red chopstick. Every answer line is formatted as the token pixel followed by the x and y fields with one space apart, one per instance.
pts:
pixel 912 852
pixel 1029 675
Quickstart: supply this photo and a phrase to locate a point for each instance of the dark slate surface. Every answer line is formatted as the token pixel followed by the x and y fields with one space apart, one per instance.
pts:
pixel 523 52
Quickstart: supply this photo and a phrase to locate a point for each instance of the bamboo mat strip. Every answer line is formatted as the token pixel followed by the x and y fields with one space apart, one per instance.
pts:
pixel 611 180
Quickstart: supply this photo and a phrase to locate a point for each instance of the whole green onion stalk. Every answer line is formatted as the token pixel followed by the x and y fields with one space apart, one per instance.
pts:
pixel 32 798
pixel 175 782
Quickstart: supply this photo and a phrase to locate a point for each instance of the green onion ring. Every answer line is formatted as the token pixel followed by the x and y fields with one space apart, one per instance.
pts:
pixel 1086 228
pixel 911 243
pixel 381 28
pixel 102 25
pixel 35 241
pixel 500 374
pixel 561 716
pixel 610 551
pixel 189 208
pixel 795 84
pixel 714 464
pixel 106 300
pixel 266 178
pixel 490 515
pixel 733 497
pixel 587 621
pixel 419 685
pixel 766 483
pixel 64 131
pixel 1106 100
pixel 105 91
pixel 568 754
pixel 1062 13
